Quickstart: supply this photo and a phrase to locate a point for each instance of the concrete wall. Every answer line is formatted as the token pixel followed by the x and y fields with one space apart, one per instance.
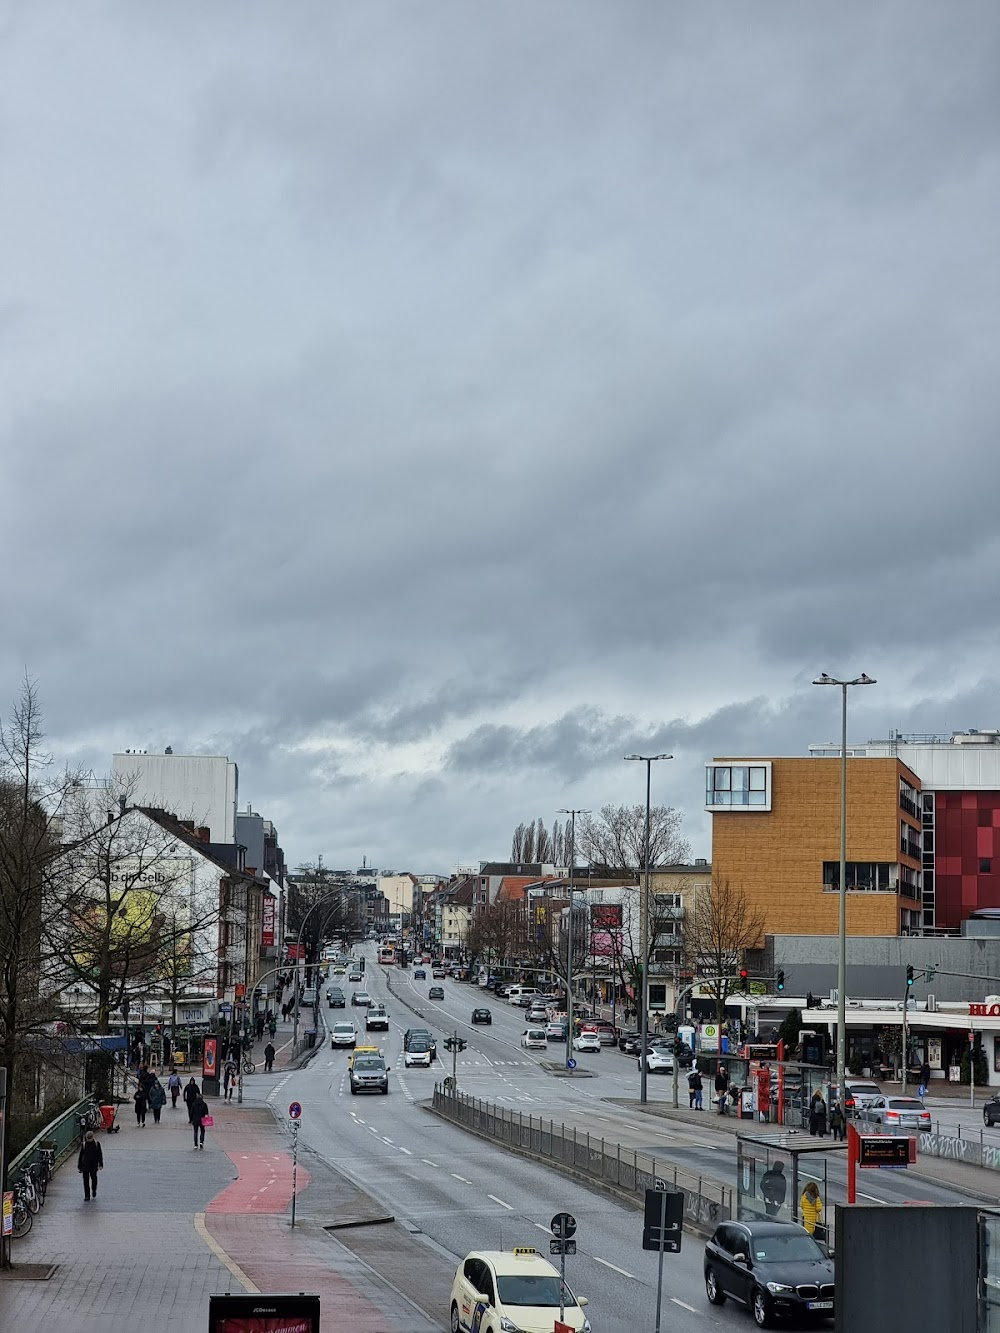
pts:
pixel 876 967
pixel 203 787
pixel 250 832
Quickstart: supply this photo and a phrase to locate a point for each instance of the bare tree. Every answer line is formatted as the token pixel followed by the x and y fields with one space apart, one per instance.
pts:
pixel 543 842
pixel 559 844
pixel 517 845
pixel 616 837
pixel 719 930
pixel 495 932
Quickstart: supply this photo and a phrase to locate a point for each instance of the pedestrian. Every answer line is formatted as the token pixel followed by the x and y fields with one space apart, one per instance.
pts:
pixel 695 1090
pixel 817 1115
pixel 229 1076
pixel 272 1027
pixel 721 1088
pixel 141 1106
pixel 925 1079
pixel 811 1206
pixel 88 1163
pixel 191 1094
pixel 146 1077
pixel 259 1025
pixel 773 1187
pixel 174 1084
pixel 838 1123
pixel 157 1097
pixel 269 1054
pixel 199 1115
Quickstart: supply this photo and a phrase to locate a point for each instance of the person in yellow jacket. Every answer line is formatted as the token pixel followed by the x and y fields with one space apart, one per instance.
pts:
pixel 811 1206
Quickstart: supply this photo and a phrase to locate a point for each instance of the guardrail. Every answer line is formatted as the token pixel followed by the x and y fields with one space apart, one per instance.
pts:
pixel 959 1145
pixel 63 1134
pixel 706 1203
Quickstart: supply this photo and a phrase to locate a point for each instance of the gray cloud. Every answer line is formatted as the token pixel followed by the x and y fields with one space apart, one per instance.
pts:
pixel 427 409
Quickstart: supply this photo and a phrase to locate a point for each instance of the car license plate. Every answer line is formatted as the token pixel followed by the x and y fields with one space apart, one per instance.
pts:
pixel 819 1305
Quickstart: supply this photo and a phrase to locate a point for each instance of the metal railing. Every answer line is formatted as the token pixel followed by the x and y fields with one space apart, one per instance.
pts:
pixel 63 1134
pixel 706 1202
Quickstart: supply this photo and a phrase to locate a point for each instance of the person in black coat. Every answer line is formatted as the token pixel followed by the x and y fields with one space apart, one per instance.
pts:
pixel 817 1115
pixel 141 1106
pixel 191 1094
pixel 773 1187
pixel 89 1162
pixel 199 1110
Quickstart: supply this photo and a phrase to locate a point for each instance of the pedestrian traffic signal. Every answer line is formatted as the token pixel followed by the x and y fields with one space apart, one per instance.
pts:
pixel 810 1002
pixel 909 974
pixel 744 980
pixel 779 980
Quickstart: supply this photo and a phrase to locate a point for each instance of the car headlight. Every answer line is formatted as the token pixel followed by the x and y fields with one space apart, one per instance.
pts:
pixel 507 1325
pixel 775 1287
pixel 586 1326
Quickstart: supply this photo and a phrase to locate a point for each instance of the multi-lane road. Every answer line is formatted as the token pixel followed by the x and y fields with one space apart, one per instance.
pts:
pixel 459 1193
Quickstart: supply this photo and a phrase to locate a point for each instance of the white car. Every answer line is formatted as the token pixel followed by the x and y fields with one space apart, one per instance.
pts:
pixel 418 1052
pixel 657 1061
pixel 496 1291
pixel 343 1034
pixel 587 1041
pixel 534 1039
pixel 377 1019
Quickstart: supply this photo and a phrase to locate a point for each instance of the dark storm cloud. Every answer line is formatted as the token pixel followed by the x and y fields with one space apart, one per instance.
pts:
pixel 428 406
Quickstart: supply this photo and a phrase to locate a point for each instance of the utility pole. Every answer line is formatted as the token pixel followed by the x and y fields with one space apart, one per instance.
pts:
pixel 569 936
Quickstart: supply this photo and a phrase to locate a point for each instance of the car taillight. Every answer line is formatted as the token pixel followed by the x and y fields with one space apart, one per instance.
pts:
pixel 892 1115
pixel 850 1103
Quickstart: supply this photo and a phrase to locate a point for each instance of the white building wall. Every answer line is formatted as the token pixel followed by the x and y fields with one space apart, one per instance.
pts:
pixel 202 787
pixel 398 892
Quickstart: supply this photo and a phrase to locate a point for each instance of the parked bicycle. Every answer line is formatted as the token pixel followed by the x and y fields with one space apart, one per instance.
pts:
pixel 45 1165
pixel 248 1065
pixel 29 1188
pixel 21 1216
pixel 90 1118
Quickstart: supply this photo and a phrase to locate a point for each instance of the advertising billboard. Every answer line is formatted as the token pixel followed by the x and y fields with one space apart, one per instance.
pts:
pixel 263 1313
pixel 605 929
pixel 267 922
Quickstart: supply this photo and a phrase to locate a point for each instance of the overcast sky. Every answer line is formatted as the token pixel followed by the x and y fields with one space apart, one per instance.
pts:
pixel 428 404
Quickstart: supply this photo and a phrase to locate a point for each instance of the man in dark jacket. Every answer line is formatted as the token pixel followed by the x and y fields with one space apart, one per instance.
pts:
pixel 199 1110
pixel 89 1162
pixel 191 1094
pixel 773 1187
pixel 269 1054
pixel 721 1088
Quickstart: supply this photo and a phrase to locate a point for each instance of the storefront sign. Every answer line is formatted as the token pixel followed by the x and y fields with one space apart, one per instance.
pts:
pixel 267 922
pixel 984 1010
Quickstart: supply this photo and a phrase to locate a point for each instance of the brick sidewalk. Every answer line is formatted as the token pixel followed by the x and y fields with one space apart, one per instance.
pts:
pixel 172 1226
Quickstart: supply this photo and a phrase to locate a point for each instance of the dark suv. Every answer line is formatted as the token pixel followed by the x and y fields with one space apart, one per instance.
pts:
pixel 775 1268
pixel 335 998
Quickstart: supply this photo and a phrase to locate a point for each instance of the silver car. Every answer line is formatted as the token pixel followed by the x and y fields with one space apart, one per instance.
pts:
pixel 899 1113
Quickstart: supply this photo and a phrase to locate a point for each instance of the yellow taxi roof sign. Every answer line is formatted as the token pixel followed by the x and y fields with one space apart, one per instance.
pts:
pixel 527 1250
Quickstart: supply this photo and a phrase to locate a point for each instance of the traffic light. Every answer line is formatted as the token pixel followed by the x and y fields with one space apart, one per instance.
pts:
pixel 779 980
pixel 810 1002
pixel 909 974
pixel 457 1044
pixel 744 980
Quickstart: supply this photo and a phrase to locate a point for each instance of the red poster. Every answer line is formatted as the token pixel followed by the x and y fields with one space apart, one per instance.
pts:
pixel 267 922
pixel 209 1058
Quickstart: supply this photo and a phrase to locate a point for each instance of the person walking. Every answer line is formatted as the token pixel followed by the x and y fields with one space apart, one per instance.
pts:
pixel 817 1115
pixel 773 1188
pixel 838 1123
pixel 199 1114
pixel 157 1097
pixel 721 1088
pixel 272 1027
pixel 88 1163
pixel 695 1090
pixel 811 1207
pixel 925 1079
pixel 146 1077
pixel 259 1026
pixel 174 1084
pixel 229 1077
pixel 191 1094
pixel 141 1106
pixel 269 1054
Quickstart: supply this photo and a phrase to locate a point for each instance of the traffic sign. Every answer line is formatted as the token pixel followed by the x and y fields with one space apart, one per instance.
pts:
pixel 571 1064
pixel 663 1221
pixel 563 1225
pixel 294 1110
pixel 562 1246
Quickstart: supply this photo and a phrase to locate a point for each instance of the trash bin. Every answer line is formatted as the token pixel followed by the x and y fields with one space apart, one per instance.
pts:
pixel 108 1116
pixel 310 1036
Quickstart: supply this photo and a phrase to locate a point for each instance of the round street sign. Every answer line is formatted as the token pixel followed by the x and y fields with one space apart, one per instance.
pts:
pixel 571 1064
pixel 563 1225
pixel 294 1110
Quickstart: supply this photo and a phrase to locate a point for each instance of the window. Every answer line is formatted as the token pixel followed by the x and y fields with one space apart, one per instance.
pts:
pixel 985 865
pixel 738 785
pixel 863 876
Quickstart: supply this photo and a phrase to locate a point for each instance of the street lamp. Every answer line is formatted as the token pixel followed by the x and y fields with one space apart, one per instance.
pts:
pixel 569 937
pixel 824 679
pixel 649 760
pixel 333 893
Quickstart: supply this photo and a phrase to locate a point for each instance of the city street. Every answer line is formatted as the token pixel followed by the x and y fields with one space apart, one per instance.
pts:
pixel 461 1193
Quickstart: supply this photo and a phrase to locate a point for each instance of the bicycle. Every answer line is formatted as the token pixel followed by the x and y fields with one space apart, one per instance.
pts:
pixel 46 1165
pixel 32 1196
pixel 90 1119
pixel 21 1215
pixel 248 1065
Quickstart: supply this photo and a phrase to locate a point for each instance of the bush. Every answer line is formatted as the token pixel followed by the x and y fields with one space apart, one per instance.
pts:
pixel 21 1129
pixel 854 1065
pixel 789 1031
pixel 982 1071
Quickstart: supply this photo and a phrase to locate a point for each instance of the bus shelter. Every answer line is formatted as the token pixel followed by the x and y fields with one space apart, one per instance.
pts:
pixel 772 1170
pixel 765 1084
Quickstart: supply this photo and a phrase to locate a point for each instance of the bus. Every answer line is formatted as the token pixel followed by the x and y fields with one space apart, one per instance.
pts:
pixel 386 953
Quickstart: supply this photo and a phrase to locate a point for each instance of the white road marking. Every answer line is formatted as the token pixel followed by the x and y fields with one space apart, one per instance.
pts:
pixel 624 1272
pixel 406 1150
pixel 461 1178
pixel 500 1202
pixel 547 1230
pixel 390 1141
pixel 870 1196
pixel 427 1162
pixel 684 1305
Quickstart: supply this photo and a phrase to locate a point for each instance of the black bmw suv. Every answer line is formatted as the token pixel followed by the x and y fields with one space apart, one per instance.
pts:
pixel 775 1268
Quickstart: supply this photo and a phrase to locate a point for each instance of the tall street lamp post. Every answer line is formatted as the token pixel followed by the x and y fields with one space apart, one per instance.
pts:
pixel 824 679
pixel 649 760
pixel 569 935
pixel 298 944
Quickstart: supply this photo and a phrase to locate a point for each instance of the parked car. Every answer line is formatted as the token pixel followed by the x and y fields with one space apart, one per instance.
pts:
pixel 775 1268
pixel 534 1039
pixel 991 1112
pixel 482 1016
pixel 899 1113
pixel 629 1042
pixel 587 1041
pixel 436 993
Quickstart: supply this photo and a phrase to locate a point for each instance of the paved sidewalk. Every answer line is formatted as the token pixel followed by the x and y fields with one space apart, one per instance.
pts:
pixel 173 1225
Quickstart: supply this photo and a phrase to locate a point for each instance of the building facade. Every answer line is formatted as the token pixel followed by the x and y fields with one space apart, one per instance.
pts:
pixel 201 787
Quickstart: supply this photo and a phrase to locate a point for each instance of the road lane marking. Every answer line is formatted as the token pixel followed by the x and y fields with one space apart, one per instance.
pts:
pixel 461 1178
pixel 390 1141
pixel 683 1304
pixel 222 1256
pixel 624 1272
pixel 500 1202
pixel 870 1196
pixel 427 1162
pixel 547 1230
pixel 407 1151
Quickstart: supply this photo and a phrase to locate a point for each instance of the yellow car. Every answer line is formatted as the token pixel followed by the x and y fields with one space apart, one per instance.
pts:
pixel 362 1050
pixel 498 1290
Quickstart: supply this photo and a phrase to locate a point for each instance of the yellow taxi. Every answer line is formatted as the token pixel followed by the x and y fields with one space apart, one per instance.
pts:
pixel 511 1291
pixel 362 1050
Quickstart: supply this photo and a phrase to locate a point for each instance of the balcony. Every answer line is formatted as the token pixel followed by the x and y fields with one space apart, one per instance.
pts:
pixel 908 847
pixel 909 806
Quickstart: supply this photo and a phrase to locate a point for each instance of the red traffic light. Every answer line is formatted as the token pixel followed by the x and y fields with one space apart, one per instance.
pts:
pixel 743 974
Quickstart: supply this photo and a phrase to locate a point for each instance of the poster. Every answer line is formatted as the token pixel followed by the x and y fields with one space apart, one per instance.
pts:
pixel 8 1213
pixel 209 1058
pixel 263 1313
pixel 934 1052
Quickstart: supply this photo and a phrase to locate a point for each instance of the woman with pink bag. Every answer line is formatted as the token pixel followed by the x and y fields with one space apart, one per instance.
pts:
pixel 201 1119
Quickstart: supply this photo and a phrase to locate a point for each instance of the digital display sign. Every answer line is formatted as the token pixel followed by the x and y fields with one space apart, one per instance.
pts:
pixel 263 1313
pixel 885 1150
